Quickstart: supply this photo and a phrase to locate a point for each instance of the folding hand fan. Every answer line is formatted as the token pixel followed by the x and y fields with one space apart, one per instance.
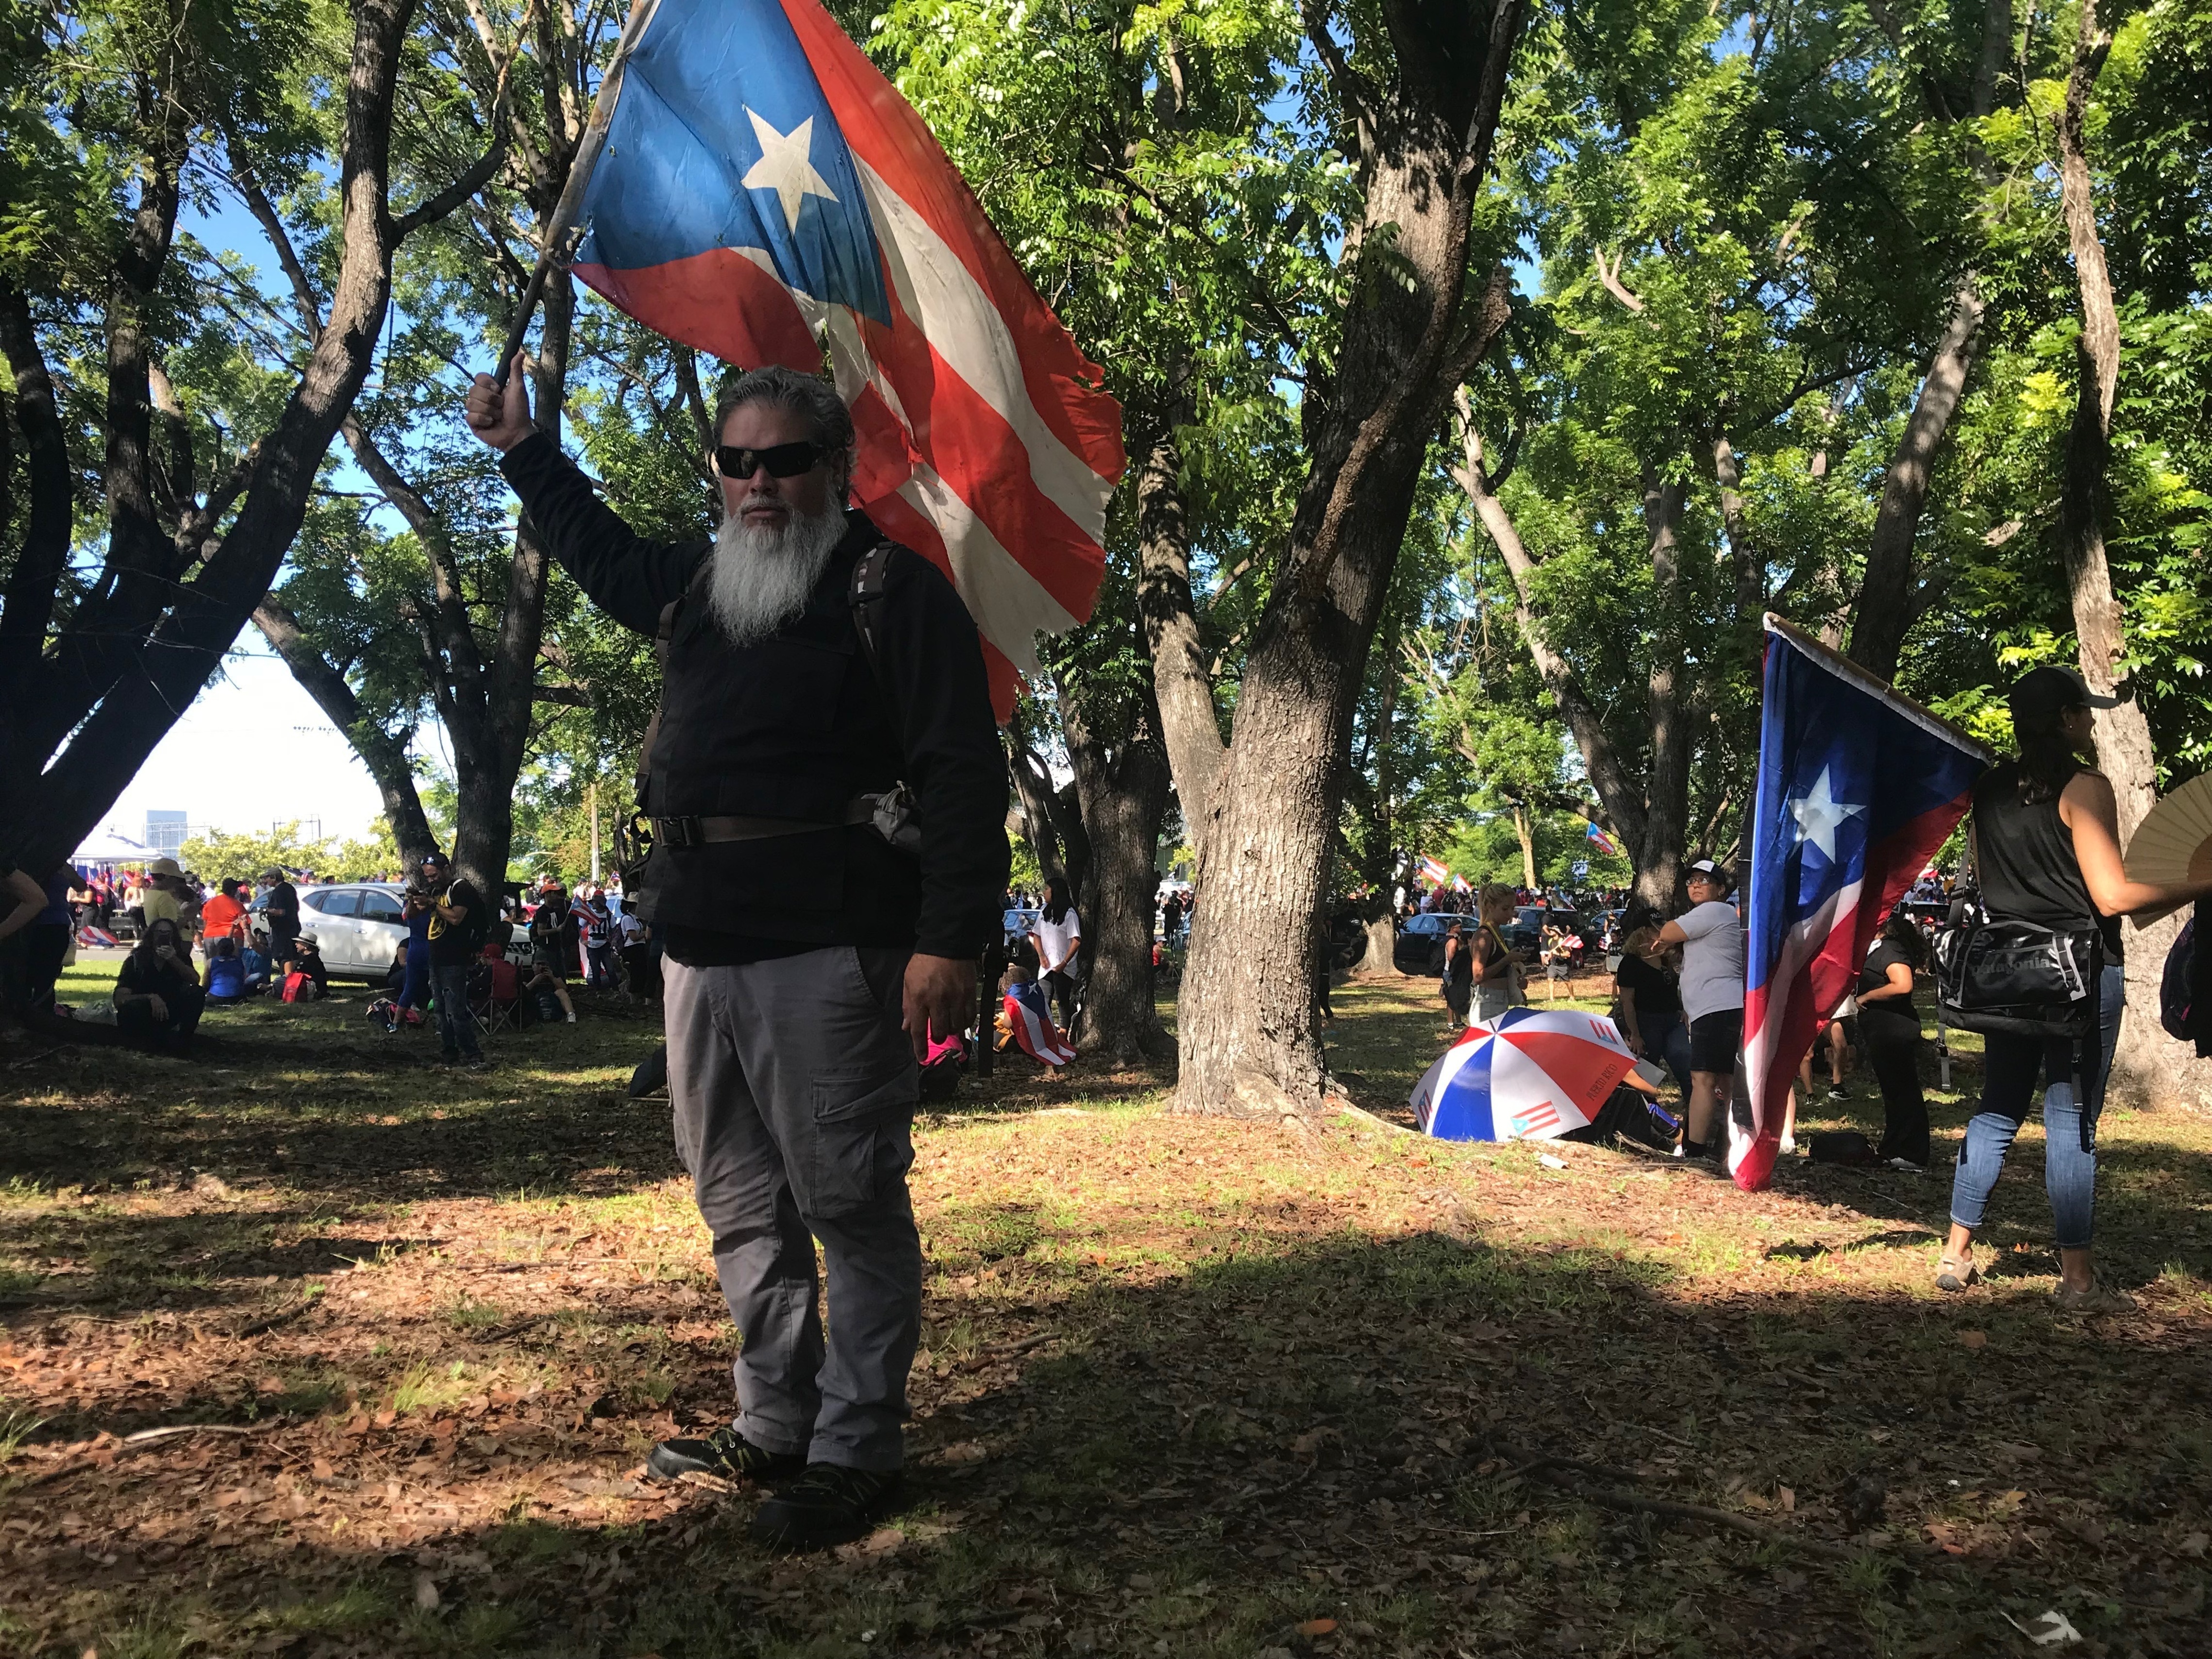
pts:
pixel 2173 843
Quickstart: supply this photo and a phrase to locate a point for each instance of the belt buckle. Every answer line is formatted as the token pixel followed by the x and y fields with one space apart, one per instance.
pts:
pixel 679 832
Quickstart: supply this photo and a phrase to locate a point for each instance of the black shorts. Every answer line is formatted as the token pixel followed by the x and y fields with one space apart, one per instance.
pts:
pixel 1716 1040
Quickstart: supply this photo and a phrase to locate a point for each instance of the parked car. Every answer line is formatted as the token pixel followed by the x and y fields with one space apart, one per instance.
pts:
pixel 1532 918
pixel 357 926
pixel 1020 922
pixel 1419 948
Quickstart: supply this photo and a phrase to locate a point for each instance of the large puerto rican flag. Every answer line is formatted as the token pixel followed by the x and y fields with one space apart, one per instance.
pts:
pixel 1857 787
pixel 763 187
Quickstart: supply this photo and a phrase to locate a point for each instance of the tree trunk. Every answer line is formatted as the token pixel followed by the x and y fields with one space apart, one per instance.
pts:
pixel 383 753
pixel 45 546
pixel 1124 798
pixel 2147 1066
pixel 1378 919
pixel 1246 1028
pixel 1189 720
pixel 1033 791
pixel 1524 831
pixel 1886 605
pixel 114 697
pixel 1749 569
pixel 1667 793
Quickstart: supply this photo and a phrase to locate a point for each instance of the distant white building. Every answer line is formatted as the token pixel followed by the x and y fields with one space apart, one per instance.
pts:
pixel 165 833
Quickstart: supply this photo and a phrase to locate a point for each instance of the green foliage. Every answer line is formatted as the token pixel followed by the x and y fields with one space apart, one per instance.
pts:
pixel 219 855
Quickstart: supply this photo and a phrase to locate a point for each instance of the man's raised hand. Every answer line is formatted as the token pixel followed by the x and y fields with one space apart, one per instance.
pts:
pixel 500 415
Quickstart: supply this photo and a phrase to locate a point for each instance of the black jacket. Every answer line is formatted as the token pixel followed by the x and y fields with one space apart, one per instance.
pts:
pixel 795 727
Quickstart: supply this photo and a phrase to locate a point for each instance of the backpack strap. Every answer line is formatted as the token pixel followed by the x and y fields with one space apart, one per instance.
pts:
pixel 663 636
pixel 865 596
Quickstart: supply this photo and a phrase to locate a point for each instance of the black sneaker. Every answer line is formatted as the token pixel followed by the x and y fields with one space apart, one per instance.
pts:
pixel 828 1504
pixel 725 1455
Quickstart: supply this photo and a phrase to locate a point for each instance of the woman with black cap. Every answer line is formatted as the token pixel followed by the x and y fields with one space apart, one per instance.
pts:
pixel 2046 843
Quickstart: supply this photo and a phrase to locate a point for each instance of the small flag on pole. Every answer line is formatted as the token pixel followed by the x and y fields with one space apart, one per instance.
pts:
pixel 1431 871
pixel 1857 787
pixel 1603 841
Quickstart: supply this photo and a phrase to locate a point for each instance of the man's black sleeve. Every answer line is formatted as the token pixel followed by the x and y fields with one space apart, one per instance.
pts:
pixel 627 575
pixel 932 667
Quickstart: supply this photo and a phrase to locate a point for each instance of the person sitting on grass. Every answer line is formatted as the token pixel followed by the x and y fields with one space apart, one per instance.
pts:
pixel 553 935
pixel 306 960
pixel 158 999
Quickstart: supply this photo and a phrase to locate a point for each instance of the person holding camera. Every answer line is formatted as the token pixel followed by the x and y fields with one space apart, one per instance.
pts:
pixel 827 797
pixel 457 927
pixel 158 996
pixel 417 908
pixel 2046 840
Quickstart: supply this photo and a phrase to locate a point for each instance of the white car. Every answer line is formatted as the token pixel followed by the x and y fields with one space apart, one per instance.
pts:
pixel 357 926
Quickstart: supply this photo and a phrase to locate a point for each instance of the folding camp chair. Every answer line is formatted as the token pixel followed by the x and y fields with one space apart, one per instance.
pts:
pixel 494 994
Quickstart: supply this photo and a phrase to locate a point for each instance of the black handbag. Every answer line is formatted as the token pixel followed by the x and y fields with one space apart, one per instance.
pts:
pixel 2016 978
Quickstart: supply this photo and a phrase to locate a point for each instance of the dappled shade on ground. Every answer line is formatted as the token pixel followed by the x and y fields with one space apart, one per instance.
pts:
pixel 1187 1388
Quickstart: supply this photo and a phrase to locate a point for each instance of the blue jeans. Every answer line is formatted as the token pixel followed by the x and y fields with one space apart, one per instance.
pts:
pixel 415 989
pixel 1666 1038
pixel 457 1029
pixel 2070 1128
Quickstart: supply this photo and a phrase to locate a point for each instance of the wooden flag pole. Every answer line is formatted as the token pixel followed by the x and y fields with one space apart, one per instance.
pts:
pixel 560 236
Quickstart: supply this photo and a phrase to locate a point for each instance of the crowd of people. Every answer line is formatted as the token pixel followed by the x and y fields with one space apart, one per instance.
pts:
pixel 2042 856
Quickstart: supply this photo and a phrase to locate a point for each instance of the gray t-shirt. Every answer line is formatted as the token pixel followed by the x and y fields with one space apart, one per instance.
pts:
pixel 1712 959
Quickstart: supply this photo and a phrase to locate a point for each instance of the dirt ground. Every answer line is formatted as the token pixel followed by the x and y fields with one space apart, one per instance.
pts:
pixel 313 1348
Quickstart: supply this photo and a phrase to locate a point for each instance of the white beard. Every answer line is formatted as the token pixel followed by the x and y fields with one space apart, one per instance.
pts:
pixel 762 576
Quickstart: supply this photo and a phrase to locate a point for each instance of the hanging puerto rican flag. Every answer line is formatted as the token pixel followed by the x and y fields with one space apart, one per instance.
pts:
pixel 1857 786
pixel 1030 1018
pixel 763 187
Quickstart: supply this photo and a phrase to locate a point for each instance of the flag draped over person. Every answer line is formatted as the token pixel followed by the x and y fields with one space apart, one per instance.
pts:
pixel 763 189
pixel 1857 787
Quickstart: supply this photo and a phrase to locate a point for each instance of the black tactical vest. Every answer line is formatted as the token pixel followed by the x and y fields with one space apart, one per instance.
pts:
pixel 793 726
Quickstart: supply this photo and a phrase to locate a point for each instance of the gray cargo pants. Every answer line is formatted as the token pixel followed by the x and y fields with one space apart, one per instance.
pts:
pixel 795 1090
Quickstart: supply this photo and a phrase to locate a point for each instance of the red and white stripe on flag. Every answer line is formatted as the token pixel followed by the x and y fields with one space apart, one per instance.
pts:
pixel 986 444
pixel 1040 1039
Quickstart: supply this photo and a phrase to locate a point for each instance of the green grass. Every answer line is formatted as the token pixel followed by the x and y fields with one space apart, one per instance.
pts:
pixel 1184 1388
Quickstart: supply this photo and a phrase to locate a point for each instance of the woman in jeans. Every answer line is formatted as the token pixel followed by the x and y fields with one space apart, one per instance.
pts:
pixel 2046 843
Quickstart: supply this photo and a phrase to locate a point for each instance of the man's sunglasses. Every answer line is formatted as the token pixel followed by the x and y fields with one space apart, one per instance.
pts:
pixel 783 461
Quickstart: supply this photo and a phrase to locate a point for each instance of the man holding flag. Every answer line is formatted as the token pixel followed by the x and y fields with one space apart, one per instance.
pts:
pixel 808 958
pixel 824 784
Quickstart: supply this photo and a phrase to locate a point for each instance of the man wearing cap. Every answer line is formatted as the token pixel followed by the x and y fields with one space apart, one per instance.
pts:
pixel 1711 936
pixel 280 913
pixel 814 940
pixel 457 922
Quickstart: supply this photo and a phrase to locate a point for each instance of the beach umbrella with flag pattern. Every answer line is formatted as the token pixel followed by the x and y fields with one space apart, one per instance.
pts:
pixel 1530 1076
